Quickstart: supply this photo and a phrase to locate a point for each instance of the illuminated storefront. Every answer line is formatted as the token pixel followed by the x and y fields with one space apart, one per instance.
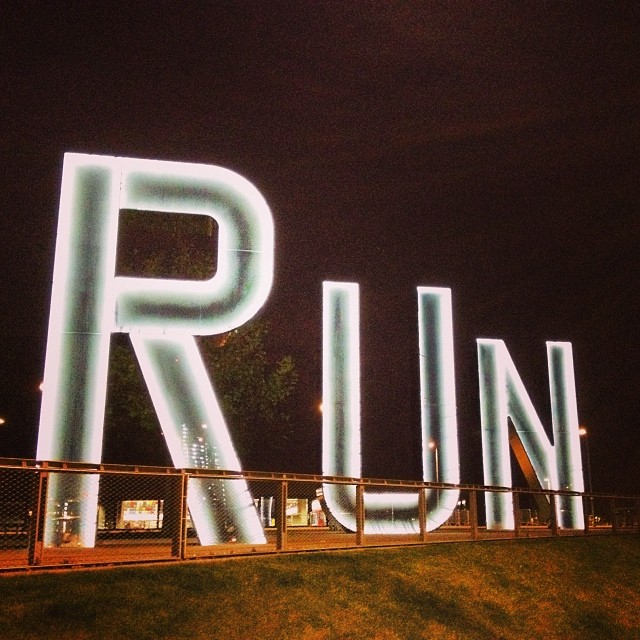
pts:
pixel 140 514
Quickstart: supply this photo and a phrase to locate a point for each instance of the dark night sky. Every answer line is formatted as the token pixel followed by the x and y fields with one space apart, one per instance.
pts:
pixel 488 147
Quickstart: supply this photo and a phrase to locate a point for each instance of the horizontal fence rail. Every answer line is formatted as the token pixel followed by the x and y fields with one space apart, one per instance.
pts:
pixel 150 514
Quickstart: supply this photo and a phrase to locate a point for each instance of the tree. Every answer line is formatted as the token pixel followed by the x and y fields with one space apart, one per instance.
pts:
pixel 254 392
pixel 254 389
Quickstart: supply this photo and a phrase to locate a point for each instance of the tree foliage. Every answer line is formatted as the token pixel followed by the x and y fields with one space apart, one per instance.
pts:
pixel 254 392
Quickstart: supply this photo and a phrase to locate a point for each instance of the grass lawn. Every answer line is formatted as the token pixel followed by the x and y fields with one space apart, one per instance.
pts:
pixel 550 588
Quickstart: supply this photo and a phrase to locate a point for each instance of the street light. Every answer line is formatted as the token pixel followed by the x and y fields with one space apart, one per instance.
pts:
pixel 434 448
pixel 583 432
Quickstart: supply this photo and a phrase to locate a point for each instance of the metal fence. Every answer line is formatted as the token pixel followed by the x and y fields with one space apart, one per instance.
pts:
pixel 144 514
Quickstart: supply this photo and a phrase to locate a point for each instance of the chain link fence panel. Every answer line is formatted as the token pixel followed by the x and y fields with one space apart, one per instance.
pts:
pixel 54 514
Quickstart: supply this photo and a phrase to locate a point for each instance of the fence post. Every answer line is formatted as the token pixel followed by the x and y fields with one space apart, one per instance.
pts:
pixel 473 513
pixel 359 513
pixel 179 505
pixel 517 518
pixel 554 514
pixel 281 518
pixel 37 520
pixel 422 515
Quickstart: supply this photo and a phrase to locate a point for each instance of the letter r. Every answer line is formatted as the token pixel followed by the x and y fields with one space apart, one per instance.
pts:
pixel 89 302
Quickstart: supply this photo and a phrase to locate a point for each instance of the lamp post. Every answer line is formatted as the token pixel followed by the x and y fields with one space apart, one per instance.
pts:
pixel 584 433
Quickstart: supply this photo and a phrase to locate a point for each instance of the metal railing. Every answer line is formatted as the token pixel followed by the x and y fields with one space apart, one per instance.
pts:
pixel 142 515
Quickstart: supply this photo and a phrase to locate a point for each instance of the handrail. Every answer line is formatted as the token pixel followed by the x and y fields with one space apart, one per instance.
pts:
pixel 85 467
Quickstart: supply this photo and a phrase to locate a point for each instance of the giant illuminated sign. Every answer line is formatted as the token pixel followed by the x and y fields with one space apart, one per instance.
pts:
pixel 162 316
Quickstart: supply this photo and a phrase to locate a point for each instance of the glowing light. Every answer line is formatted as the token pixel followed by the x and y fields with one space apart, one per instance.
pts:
pixel 503 397
pixel 89 303
pixel 163 316
pixel 386 512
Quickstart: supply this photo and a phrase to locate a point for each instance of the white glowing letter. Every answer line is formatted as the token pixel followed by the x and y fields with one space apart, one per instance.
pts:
pixel 440 455
pixel 387 512
pixel 162 316
pixel 503 397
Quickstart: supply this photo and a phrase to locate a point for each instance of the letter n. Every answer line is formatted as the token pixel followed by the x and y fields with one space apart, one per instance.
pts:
pixel 508 417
